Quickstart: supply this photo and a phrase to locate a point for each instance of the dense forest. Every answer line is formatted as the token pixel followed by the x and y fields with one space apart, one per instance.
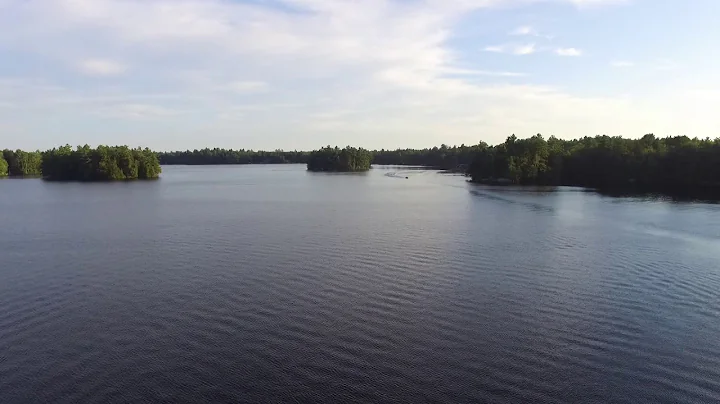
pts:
pixel 103 163
pixel 229 156
pixel 20 163
pixel 442 157
pixel 336 159
pixel 673 164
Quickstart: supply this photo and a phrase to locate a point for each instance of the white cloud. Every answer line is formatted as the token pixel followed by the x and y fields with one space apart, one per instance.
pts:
pixel 524 30
pixel 527 30
pixel 525 49
pixel 622 63
pixel 515 49
pixel 101 67
pixel 496 48
pixel 568 52
pixel 472 72
pixel 377 73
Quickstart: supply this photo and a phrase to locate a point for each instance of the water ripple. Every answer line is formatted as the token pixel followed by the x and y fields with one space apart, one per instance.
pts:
pixel 278 286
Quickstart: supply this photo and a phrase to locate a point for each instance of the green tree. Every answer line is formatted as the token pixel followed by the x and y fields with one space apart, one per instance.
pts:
pixel 104 163
pixel 229 156
pixel 673 164
pixel 21 163
pixel 3 166
pixel 336 159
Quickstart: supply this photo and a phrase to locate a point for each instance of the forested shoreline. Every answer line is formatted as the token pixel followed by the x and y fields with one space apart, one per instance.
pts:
pixel 103 163
pixel 443 157
pixel 671 165
pixel 219 156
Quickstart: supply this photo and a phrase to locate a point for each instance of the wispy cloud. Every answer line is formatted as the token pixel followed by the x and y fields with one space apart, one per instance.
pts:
pixel 390 66
pixel 531 48
pixel 525 49
pixel 524 30
pixel 515 49
pixel 496 48
pixel 528 30
pixel 622 63
pixel 473 72
pixel 101 67
pixel 568 52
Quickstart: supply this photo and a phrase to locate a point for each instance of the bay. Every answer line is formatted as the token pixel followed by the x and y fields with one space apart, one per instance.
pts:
pixel 273 284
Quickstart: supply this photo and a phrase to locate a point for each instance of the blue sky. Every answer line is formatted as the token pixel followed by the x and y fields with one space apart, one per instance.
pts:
pixel 298 74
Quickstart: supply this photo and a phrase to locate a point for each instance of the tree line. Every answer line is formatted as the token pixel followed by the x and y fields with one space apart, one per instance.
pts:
pixel 20 163
pixel 442 157
pixel 103 163
pixel 335 159
pixel 671 164
pixel 229 156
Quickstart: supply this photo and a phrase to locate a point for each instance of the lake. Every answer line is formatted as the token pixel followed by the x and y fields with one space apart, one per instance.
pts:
pixel 273 284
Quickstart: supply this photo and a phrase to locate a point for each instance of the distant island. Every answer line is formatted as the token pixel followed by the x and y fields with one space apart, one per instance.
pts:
pixel 103 163
pixel 334 159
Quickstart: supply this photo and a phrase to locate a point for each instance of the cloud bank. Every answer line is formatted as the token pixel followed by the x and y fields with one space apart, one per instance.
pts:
pixel 283 73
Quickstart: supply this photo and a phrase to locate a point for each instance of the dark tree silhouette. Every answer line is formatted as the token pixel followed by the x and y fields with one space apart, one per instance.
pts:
pixel 229 156
pixel 673 164
pixel 336 159
pixel 104 163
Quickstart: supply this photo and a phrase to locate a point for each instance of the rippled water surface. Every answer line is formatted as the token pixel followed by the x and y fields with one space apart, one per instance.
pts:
pixel 272 284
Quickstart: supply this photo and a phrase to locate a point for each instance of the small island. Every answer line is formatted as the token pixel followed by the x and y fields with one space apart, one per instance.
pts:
pixel 103 163
pixel 334 159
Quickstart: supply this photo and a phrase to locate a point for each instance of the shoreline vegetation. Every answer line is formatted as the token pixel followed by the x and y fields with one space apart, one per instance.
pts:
pixel 443 157
pixel 103 163
pixel 334 159
pixel 671 165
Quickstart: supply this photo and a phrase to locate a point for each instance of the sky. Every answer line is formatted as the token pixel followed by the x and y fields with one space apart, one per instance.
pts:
pixel 300 74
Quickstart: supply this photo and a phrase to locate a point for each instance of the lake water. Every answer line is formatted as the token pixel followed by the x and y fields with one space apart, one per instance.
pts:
pixel 272 284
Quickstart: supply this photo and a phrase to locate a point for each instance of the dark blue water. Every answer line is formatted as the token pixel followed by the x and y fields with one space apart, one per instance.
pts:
pixel 272 284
